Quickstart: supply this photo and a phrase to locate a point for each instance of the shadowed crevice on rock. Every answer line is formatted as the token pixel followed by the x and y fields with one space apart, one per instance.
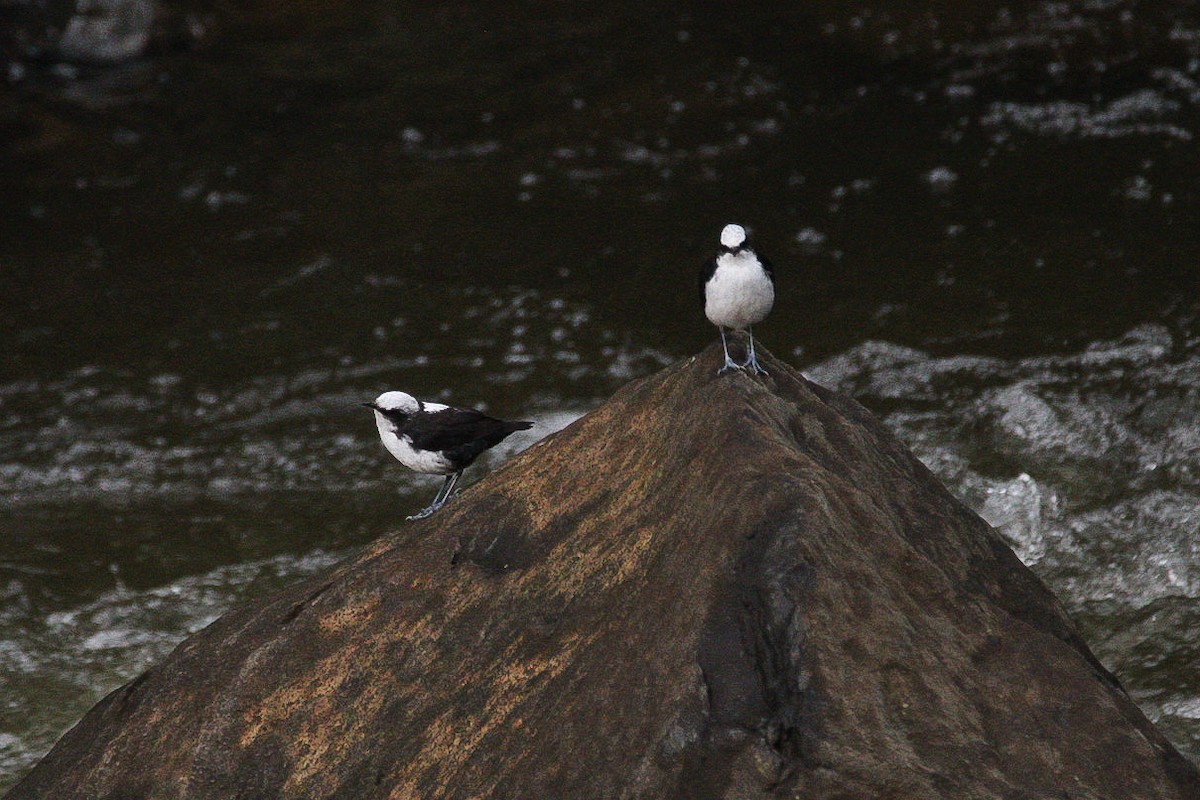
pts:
pixel 709 587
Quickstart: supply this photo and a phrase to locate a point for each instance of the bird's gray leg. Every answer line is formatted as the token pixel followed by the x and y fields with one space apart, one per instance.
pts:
pixel 451 482
pixel 729 362
pixel 752 362
pixel 440 500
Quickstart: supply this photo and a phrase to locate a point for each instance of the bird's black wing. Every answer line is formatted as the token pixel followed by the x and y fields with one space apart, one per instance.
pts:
pixel 446 429
pixel 706 273
pixel 461 433
pixel 766 265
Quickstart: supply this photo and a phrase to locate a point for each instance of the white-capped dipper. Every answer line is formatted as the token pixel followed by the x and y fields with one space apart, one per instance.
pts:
pixel 436 439
pixel 737 288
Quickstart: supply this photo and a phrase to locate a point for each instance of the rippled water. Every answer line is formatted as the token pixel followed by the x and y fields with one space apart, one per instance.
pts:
pixel 983 219
pixel 54 666
pixel 1089 464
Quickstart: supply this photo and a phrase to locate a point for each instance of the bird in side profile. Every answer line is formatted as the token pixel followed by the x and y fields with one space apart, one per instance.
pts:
pixel 436 439
pixel 737 288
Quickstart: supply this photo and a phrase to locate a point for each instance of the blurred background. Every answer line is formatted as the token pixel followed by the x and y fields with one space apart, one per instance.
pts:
pixel 224 225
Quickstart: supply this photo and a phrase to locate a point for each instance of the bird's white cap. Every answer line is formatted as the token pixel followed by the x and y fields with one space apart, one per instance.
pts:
pixel 398 401
pixel 733 236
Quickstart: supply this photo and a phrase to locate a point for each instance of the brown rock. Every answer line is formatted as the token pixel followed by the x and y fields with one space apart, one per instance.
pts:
pixel 710 587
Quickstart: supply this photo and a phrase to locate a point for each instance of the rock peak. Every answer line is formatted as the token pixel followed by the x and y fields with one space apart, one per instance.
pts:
pixel 709 587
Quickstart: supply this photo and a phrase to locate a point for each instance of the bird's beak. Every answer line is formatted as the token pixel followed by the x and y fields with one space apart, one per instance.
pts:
pixel 369 405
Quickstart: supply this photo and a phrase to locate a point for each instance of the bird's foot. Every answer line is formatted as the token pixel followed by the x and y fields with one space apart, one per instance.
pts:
pixel 423 513
pixel 427 511
pixel 754 367
pixel 431 508
pixel 729 364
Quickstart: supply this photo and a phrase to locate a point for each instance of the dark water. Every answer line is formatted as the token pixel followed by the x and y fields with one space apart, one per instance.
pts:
pixel 984 222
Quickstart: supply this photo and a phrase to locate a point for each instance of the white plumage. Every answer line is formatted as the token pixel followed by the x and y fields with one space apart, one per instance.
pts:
pixel 740 293
pixel 430 462
pixel 733 236
pixel 737 288
pixel 436 439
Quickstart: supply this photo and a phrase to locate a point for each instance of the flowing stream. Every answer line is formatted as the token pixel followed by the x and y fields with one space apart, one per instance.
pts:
pixel 222 230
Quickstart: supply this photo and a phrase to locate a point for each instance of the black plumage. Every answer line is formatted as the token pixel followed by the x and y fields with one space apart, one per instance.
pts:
pixel 460 434
pixel 737 291
pixel 437 439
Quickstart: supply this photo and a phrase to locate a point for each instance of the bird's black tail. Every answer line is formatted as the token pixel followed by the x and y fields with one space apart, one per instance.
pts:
pixel 517 425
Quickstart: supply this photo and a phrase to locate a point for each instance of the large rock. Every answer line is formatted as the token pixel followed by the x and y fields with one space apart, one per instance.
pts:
pixel 710 587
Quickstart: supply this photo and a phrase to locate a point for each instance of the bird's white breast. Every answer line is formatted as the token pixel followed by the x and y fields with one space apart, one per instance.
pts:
pixel 430 462
pixel 739 293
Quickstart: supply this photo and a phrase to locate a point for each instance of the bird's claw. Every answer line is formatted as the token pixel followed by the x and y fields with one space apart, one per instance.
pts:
pixel 754 367
pixel 431 508
pixel 426 512
pixel 729 364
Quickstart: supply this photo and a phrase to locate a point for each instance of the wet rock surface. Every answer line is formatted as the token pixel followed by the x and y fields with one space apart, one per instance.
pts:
pixel 708 587
pixel 1087 464
pixel 217 247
